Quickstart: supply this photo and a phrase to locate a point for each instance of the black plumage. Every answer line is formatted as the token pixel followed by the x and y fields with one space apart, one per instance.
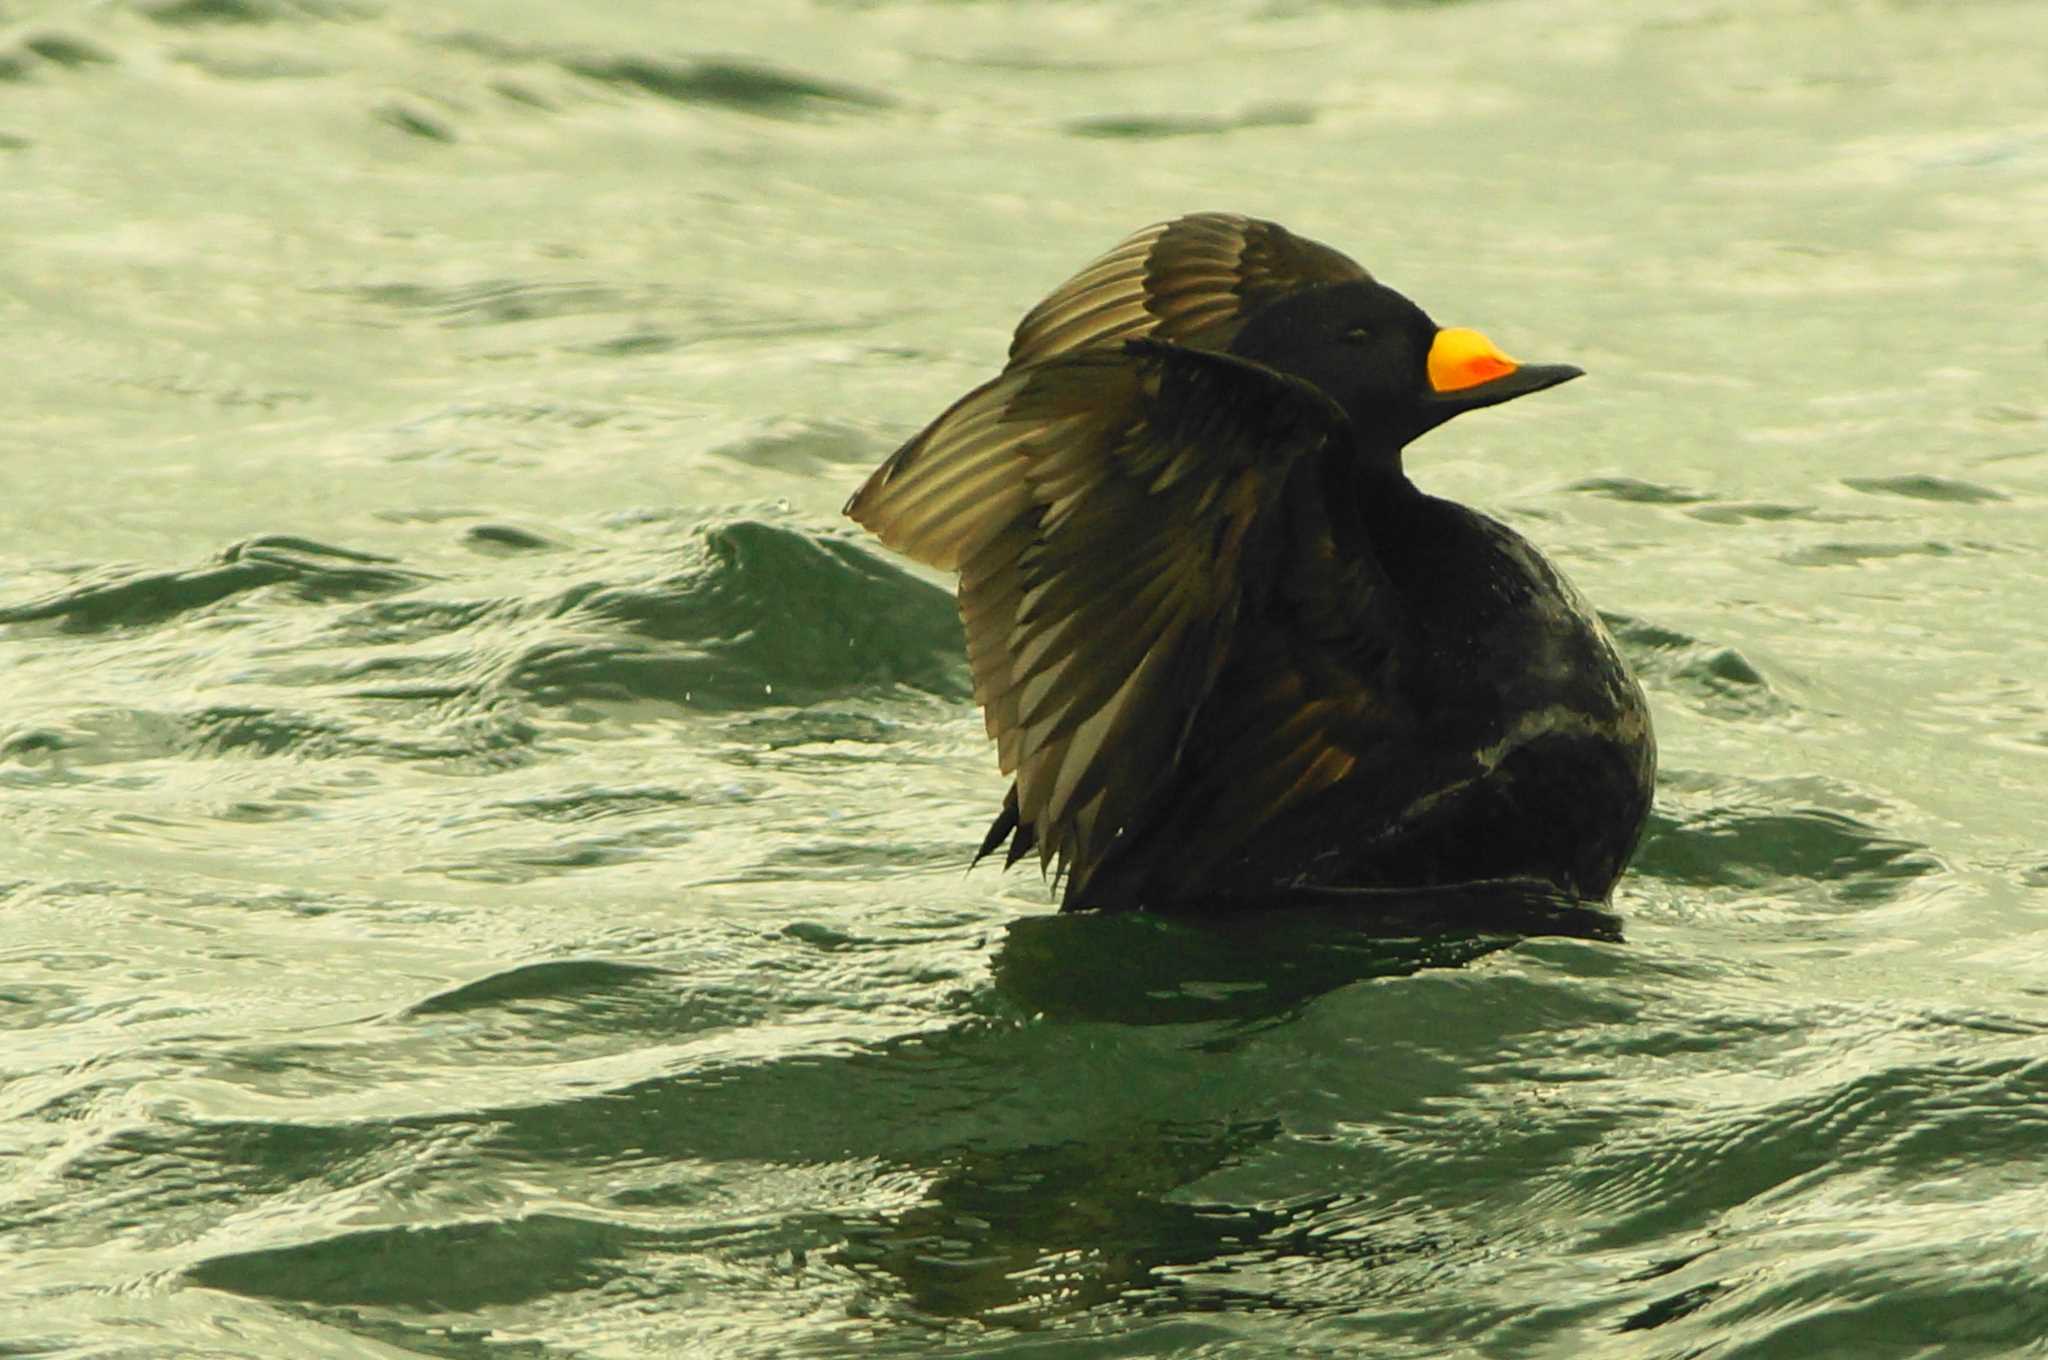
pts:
pixel 1227 649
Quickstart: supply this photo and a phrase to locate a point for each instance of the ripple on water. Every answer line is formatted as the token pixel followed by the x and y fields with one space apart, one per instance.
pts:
pixel 1814 1208
pixel 1910 1122
pixel 313 572
pixel 758 616
pixel 1713 677
pixel 1637 491
pixel 501 540
pixel 1764 836
pixel 66 52
pixel 452 1267
pixel 501 302
pixel 415 121
pixel 742 615
pixel 736 84
pixel 209 13
pixel 1926 487
pixel 1153 127
pixel 546 979
pixel 1862 554
pixel 1736 512
pixel 805 447
pixel 574 316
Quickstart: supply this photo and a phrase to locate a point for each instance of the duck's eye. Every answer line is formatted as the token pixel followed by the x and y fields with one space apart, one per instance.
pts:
pixel 1357 335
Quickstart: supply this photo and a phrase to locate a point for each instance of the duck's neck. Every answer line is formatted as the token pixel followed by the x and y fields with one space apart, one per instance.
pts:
pixel 1371 499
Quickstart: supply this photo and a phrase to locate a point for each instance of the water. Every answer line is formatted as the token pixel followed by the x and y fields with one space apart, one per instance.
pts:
pixel 482 854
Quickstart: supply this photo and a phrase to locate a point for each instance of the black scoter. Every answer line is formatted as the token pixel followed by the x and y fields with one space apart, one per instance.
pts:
pixel 1231 655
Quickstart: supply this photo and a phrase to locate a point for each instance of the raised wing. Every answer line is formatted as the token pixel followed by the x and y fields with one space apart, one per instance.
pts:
pixel 1113 514
pixel 1194 281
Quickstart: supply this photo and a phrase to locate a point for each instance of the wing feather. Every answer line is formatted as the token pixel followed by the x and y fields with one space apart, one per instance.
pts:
pixel 1113 513
pixel 1291 722
pixel 1194 281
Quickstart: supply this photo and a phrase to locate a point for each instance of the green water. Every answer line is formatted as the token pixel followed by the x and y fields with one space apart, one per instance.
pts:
pixel 482 842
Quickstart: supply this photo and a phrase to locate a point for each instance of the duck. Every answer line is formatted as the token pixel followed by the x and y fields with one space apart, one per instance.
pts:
pixel 1229 654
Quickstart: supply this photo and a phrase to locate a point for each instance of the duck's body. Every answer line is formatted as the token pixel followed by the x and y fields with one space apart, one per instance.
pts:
pixel 1502 739
pixel 1227 648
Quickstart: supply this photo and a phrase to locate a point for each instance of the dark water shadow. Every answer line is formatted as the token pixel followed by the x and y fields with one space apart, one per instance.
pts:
pixel 1251 962
pixel 1101 1220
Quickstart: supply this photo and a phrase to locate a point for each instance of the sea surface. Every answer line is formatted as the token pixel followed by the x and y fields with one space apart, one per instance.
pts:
pixel 483 842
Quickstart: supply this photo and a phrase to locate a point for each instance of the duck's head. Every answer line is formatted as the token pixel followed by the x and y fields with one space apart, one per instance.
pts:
pixel 1396 373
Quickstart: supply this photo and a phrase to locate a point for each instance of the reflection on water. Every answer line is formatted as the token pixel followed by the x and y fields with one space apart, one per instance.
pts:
pixel 1028 1236
pixel 1137 969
